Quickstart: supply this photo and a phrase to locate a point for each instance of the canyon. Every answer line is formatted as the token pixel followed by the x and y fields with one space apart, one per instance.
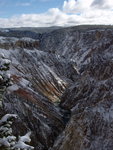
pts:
pixel 62 86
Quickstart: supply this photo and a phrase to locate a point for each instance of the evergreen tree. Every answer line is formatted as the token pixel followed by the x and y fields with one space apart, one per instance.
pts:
pixel 4 76
pixel 7 140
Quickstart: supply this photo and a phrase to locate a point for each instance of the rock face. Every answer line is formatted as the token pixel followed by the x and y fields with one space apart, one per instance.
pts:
pixel 90 97
pixel 62 88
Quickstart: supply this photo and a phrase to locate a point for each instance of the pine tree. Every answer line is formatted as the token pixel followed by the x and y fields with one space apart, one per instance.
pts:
pixel 7 140
pixel 4 76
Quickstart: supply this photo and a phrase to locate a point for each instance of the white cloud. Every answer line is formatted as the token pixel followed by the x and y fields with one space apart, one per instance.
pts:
pixel 103 4
pixel 74 6
pixel 72 13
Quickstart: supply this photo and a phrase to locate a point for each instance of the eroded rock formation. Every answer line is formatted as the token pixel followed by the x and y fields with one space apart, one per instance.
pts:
pixel 62 88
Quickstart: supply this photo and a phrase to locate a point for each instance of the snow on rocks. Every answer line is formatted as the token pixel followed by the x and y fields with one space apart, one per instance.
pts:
pixel 25 138
pixel 21 145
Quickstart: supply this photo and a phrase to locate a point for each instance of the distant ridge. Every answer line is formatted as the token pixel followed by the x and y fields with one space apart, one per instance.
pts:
pixel 35 32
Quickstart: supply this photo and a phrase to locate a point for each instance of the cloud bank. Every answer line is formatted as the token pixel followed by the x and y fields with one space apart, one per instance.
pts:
pixel 73 12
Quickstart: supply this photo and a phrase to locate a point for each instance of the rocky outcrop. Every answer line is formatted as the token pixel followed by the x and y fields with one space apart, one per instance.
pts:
pixel 15 43
pixel 62 88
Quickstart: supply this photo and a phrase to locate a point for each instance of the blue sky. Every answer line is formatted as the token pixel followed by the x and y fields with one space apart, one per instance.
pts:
pixel 45 13
pixel 10 8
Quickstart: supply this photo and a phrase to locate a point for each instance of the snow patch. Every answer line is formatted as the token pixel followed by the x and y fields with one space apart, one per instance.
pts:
pixel 13 88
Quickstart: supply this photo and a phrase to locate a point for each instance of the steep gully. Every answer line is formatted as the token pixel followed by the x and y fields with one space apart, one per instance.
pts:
pixel 65 71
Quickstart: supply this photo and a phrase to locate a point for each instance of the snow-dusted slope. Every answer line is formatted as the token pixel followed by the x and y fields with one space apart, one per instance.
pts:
pixel 70 65
pixel 36 84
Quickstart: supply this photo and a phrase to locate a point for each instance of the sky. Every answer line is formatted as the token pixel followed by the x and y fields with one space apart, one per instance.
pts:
pixel 46 13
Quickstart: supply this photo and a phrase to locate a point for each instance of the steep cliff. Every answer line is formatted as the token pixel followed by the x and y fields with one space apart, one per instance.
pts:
pixel 62 87
pixel 90 97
